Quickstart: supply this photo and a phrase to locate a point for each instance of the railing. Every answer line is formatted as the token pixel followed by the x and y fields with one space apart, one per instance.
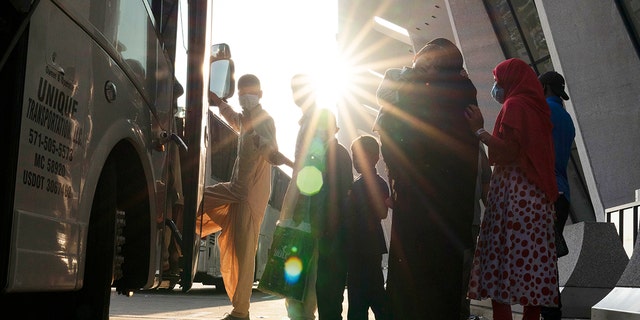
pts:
pixel 625 218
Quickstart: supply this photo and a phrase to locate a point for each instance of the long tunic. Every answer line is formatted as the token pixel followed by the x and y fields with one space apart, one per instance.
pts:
pixel 238 206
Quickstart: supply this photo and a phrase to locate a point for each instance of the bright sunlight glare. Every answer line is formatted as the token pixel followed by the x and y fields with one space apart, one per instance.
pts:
pixel 274 41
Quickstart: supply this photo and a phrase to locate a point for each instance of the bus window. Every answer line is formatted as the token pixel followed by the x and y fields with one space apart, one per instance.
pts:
pixel 133 46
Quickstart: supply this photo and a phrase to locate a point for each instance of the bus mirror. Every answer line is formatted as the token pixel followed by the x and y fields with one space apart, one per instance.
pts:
pixel 221 80
pixel 220 51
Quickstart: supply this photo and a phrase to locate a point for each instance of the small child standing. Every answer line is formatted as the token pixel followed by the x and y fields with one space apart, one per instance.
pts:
pixel 365 239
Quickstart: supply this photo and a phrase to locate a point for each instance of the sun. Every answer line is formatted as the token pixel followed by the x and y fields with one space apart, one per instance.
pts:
pixel 333 81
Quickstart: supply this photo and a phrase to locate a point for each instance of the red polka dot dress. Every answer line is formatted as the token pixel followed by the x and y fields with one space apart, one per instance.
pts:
pixel 515 260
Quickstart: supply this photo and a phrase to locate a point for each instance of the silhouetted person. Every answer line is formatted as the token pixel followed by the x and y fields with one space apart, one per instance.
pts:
pixel 432 162
pixel 365 238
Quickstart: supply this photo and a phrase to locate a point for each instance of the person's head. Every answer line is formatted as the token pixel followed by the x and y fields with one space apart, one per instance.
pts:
pixel 439 57
pixel 325 125
pixel 553 84
pixel 249 92
pixel 366 153
pixel 515 77
pixel 303 91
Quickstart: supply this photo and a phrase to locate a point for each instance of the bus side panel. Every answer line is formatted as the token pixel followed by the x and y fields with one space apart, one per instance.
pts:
pixel 53 136
pixel 74 97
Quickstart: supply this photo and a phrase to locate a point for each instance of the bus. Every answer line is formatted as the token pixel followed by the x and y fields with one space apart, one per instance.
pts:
pixel 91 180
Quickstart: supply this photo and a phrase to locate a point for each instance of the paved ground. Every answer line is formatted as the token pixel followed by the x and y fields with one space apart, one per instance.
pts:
pixel 205 302
pixel 201 302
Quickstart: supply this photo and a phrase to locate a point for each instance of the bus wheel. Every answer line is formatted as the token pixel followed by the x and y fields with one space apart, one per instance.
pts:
pixel 105 224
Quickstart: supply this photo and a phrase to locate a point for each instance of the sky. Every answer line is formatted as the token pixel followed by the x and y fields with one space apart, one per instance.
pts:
pixel 275 40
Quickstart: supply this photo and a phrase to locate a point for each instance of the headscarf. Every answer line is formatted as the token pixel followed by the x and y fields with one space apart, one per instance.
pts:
pixel 527 113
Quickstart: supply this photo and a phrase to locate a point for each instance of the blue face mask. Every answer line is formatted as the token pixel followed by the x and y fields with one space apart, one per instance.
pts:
pixel 497 93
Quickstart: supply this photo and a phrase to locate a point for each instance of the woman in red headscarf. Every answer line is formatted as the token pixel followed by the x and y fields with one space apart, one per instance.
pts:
pixel 515 260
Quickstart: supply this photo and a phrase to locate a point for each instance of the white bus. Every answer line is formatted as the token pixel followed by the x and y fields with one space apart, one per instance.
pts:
pixel 88 100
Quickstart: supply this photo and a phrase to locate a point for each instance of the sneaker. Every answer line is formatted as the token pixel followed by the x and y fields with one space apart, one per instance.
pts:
pixel 230 317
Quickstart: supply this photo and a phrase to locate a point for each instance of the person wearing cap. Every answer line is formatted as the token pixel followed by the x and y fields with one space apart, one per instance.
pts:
pixel 431 160
pixel 563 135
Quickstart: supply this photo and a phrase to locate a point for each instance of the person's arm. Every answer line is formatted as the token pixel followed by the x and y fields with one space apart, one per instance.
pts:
pixel 386 95
pixel 485 176
pixel 381 207
pixel 264 134
pixel 506 150
pixel 503 151
pixel 267 143
pixel 265 140
pixel 232 117
pixel 346 172
pixel 387 92
pixel 278 159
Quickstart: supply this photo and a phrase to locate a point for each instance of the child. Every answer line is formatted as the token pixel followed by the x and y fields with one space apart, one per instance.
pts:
pixel 365 239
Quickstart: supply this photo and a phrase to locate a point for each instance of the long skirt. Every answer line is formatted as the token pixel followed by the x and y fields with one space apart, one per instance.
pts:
pixel 515 259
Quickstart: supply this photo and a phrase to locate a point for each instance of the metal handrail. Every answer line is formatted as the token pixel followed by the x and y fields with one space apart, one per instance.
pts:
pixel 620 210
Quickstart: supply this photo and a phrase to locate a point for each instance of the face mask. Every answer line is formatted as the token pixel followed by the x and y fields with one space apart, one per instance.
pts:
pixel 497 93
pixel 249 101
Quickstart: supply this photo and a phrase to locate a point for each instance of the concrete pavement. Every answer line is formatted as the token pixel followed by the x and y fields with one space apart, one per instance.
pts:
pixel 201 302
pixel 205 302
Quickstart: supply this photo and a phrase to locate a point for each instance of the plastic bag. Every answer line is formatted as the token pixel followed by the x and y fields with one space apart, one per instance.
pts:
pixel 287 270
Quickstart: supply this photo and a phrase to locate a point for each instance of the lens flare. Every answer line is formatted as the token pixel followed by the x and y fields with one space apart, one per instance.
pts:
pixel 309 180
pixel 292 269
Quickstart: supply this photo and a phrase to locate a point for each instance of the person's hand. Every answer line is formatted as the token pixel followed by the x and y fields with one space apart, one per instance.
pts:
pixel 474 118
pixel 277 159
pixel 214 100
